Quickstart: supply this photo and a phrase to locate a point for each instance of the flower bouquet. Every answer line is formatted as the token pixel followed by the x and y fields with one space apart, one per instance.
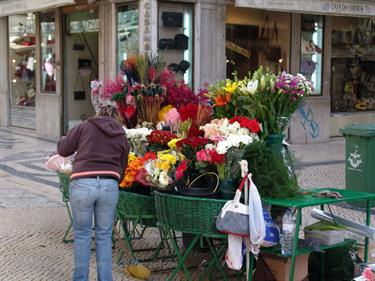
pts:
pixel 273 99
pixel 224 95
pixel 229 139
pixel 137 138
pixel 160 171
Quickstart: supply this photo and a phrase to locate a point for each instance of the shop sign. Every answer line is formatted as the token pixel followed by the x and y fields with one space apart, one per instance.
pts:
pixel 90 25
pixel 238 49
pixel 11 7
pixel 332 7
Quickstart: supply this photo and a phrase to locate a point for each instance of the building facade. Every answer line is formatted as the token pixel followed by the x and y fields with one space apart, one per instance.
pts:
pixel 53 52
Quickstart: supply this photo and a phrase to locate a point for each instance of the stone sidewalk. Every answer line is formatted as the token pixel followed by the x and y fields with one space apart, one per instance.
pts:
pixel 33 217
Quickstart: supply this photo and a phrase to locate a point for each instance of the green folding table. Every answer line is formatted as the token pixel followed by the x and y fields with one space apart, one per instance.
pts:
pixel 308 198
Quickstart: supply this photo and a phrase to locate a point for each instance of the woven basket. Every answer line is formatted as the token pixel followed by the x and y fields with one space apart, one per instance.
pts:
pixel 188 214
pixel 133 206
pixel 64 185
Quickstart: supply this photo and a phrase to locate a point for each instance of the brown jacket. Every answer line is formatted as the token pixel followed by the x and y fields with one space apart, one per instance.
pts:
pixel 101 145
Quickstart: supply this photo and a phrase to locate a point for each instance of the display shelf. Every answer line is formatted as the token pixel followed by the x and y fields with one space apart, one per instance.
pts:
pixel 302 250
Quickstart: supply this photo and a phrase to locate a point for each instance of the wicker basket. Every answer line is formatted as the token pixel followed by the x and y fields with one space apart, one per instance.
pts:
pixel 187 214
pixel 64 185
pixel 136 206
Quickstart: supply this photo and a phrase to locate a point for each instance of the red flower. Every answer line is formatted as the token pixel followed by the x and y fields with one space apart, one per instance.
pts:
pixel 181 169
pixel 149 156
pixel 193 142
pixel 188 111
pixel 160 137
pixel 251 124
pixel 151 73
pixel 143 177
pixel 195 132
pixel 216 158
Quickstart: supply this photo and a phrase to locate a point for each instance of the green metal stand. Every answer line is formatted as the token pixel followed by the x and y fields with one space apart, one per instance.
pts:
pixel 64 189
pixel 308 199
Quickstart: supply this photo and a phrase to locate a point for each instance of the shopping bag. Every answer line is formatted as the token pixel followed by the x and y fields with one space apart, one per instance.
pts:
pixel 56 163
pixel 234 216
pixel 262 43
pixel 273 52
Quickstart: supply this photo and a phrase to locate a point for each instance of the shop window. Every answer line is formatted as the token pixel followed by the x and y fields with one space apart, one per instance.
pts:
pixel 353 64
pixel 255 38
pixel 48 52
pixel 22 62
pixel 311 64
pixel 127 32
pixel 175 38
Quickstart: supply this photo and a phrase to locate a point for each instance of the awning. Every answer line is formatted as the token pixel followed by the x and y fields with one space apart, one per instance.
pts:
pixel 11 7
pixel 324 7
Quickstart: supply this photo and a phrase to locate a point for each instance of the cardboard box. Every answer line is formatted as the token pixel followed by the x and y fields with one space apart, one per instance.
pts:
pixel 280 266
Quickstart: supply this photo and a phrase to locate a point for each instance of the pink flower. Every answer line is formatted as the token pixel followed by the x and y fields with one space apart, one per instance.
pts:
pixel 202 155
pixel 368 274
pixel 173 118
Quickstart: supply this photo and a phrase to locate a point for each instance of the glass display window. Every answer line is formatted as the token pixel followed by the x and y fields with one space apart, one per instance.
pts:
pixel 48 52
pixel 127 32
pixel 22 59
pixel 175 38
pixel 256 38
pixel 353 64
pixel 311 63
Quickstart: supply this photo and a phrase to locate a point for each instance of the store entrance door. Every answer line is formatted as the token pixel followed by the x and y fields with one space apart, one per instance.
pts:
pixel 80 65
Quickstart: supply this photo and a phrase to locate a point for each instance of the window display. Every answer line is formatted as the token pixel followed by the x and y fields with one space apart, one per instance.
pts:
pixel 353 64
pixel 127 32
pixel 22 59
pixel 48 52
pixel 254 38
pixel 175 40
pixel 311 50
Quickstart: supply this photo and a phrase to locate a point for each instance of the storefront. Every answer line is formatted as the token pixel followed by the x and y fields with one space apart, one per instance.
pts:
pixel 331 42
pixel 55 49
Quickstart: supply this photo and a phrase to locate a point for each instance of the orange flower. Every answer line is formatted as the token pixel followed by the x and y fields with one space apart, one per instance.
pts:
pixel 131 172
pixel 222 100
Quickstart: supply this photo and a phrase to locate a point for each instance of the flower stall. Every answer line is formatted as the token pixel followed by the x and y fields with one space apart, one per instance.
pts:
pixel 186 148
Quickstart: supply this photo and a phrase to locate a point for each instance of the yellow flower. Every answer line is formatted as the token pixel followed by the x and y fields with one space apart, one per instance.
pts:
pixel 231 87
pixel 172 143
pixel 169 158
pixel 163 165
pixel 163 111
pixel 131 157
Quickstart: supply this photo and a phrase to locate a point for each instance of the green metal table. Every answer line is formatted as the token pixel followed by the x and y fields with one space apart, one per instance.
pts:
pixel 308 199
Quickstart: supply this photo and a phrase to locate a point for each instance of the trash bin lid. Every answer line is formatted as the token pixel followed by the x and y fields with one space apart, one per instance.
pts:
pixel 363 130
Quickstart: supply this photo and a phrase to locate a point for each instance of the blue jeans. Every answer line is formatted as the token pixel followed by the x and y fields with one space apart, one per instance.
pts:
pixel 88 197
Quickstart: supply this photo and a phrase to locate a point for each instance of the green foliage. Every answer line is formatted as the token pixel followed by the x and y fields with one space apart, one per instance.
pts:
pixel 270 174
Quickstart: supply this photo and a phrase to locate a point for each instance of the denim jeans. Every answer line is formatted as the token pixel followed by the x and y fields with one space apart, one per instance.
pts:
pixel 88 197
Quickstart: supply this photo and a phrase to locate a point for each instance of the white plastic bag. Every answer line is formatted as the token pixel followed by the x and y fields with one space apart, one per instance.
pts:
pixel 256 219
pixel 233 256
pixel 57 163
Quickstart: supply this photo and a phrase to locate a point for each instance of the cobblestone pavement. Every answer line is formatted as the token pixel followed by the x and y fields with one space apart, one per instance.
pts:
pixel 33 217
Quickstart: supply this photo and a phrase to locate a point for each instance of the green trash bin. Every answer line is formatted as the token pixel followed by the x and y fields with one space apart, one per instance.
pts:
pixel 360 157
